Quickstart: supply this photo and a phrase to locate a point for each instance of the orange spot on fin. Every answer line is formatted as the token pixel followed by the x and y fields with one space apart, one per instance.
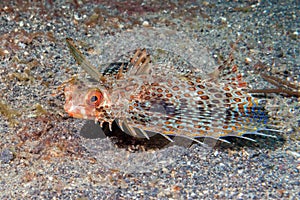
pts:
pixel 233 78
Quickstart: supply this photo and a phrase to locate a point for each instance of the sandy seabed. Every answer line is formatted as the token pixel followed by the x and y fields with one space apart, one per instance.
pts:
pixel 42 153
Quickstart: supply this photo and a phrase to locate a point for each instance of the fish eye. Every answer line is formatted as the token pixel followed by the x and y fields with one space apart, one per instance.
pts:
pixel 94 97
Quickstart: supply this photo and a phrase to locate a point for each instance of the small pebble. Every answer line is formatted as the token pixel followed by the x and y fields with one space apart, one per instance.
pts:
pixel 146 24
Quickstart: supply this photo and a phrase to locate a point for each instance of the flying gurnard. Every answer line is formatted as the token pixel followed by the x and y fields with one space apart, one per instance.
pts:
pixel 146 97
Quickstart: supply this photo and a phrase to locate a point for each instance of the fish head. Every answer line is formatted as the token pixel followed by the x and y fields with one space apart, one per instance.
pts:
pixel 86 101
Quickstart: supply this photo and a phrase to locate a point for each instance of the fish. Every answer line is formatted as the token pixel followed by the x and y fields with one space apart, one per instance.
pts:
pixel 145 98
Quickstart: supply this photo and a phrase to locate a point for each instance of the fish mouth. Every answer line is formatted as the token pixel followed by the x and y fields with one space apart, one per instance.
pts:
pixel 79 111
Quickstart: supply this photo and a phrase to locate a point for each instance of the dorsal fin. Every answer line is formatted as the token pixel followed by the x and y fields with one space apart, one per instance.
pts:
pixel 224 70
pixel 140 62
pixel 235 79
pixel 228 73
pixel 84 63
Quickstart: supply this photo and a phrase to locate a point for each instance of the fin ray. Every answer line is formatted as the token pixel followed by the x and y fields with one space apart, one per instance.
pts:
pixel 84 63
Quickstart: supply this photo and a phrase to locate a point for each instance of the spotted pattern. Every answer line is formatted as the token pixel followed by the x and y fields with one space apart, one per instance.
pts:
pixel 196 108
pixel 171 100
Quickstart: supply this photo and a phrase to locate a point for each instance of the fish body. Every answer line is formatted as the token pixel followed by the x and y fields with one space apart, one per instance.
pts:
pixel 151 97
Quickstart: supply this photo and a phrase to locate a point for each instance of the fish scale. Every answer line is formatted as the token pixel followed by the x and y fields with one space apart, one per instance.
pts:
pixel 145 97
